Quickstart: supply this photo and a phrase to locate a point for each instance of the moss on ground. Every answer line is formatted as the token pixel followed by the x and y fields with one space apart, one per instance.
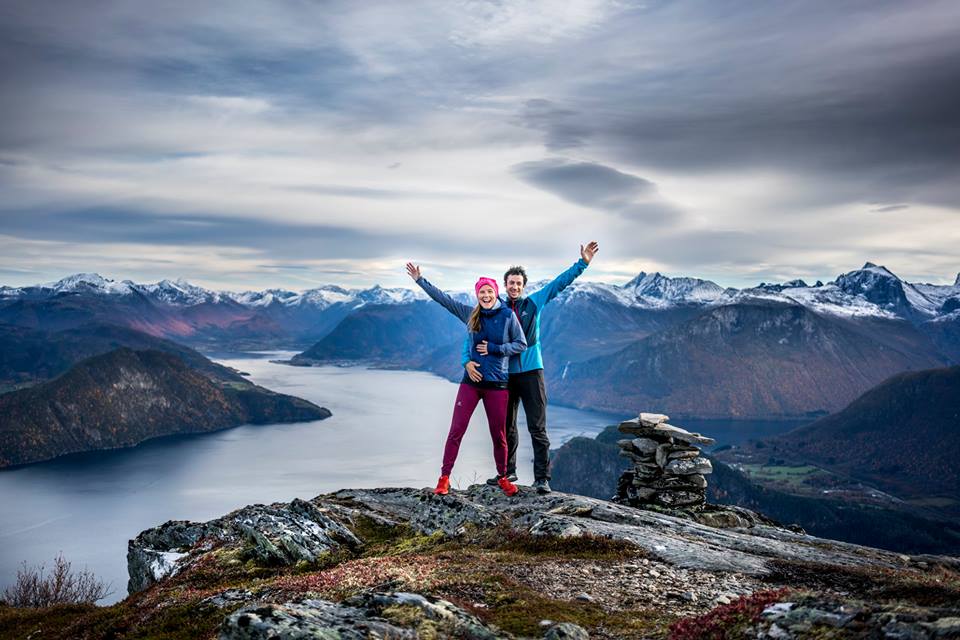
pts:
pixel 413 617
pixel 127 620
pixel 519 609
pixel 936 586
pixel 588 547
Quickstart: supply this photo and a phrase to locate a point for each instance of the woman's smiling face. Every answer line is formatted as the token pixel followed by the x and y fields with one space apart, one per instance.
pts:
pixel 486 296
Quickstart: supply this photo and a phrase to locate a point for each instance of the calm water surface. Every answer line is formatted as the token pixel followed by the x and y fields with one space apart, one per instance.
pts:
pixel 387 429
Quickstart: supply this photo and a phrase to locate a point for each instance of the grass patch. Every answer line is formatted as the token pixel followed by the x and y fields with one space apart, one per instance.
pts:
pixel 934 587
pixel 934 502
pixel 220 569
pixel 413 617
pixel 44 622
pixel 588 546
pixel 187 621
pixel 519 609
pixel 782 474
pixel 796 479
pixel 404 573
pixel 382 540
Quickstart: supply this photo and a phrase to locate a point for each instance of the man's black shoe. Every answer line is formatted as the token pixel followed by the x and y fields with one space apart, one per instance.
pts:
pixel 542 486
pixel 495 479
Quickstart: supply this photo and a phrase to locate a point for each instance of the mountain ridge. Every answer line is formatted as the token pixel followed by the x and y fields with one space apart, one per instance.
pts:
pixel 874 284
pixel 906 426
pixel 123 397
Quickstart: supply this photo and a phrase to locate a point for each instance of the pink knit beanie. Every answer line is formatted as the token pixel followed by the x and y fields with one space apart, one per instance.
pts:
pixel 489 281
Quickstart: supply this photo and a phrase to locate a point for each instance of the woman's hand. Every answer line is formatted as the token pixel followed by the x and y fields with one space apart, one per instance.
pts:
pixel 482 348
pixel 413 270
pixel 472 371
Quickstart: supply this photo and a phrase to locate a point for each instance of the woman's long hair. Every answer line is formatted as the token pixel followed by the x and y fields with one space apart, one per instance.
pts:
pixel 473 323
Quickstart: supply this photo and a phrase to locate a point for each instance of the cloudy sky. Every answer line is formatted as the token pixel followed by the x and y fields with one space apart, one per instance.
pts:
pixel 294 143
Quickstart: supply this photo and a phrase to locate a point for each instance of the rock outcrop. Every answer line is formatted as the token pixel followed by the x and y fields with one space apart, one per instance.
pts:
pixel 405 563
pixel 363 617
pixel 275 534
pixel 683 559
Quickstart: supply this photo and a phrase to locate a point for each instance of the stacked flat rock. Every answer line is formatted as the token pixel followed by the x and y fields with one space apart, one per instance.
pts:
pixel 668 469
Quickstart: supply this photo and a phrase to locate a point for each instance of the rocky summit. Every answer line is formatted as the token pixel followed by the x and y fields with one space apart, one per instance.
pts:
pixel 668 469
pixel 405 563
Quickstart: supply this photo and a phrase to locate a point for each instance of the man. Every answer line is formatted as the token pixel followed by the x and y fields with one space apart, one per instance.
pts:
pixel 526 369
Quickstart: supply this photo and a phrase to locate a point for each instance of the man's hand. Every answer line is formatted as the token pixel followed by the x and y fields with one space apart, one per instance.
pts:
pixel 413 270
pixel 586 253
pixel 482 348
pixel 471 368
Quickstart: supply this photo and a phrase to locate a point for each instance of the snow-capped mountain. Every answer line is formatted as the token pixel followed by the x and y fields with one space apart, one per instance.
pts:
pixel 647 291
pixel 380 295
pixel 181 293
pixel 611 293
pixel 326 296
pixel 263 298
pixel 880 286
pixel 654 290
pixel 89 283
pixel 872 291
pixel 793 284
pixel 832 300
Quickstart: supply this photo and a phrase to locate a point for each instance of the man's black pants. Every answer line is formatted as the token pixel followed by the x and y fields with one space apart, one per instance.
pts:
pixel 527 387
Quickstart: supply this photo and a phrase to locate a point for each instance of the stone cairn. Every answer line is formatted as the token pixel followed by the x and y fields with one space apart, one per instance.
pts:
pixel 668 470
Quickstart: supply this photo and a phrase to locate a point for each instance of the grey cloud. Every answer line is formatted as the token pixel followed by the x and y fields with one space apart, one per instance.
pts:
pixel 593 185
pixel 858 101
pixel 828 92
pixel 563 128
pixel 287 241
pixel 705 247
pixel 584 183
pixel 17 272
pixel 385 194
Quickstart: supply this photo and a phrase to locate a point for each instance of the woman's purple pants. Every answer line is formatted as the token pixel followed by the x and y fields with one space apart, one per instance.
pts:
pixel 495 404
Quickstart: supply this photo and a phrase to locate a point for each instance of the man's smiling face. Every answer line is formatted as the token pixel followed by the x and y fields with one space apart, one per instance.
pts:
pixel 514 285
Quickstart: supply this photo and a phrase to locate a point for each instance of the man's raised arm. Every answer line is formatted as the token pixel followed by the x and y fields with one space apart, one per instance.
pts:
pixel 562 281
pixel 457 308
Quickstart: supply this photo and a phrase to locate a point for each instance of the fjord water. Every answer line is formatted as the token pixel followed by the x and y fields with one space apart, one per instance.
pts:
pixel 387 429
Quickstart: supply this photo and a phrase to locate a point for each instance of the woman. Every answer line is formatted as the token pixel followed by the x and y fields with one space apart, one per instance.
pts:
pixel 494 334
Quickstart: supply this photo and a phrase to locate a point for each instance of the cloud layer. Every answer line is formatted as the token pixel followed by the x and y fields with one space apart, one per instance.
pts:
pixel 287 144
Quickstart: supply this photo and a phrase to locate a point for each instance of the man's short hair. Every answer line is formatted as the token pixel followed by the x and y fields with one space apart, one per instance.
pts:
pixel 515 271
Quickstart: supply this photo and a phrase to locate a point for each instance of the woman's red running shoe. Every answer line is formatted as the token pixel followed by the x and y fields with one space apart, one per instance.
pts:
pixel 443 486
pixel 508 487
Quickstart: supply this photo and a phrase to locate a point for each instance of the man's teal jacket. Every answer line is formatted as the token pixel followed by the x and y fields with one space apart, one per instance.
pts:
pixel 526 308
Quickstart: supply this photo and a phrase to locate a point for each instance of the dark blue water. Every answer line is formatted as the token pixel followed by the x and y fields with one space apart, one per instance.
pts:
pixel 387 429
